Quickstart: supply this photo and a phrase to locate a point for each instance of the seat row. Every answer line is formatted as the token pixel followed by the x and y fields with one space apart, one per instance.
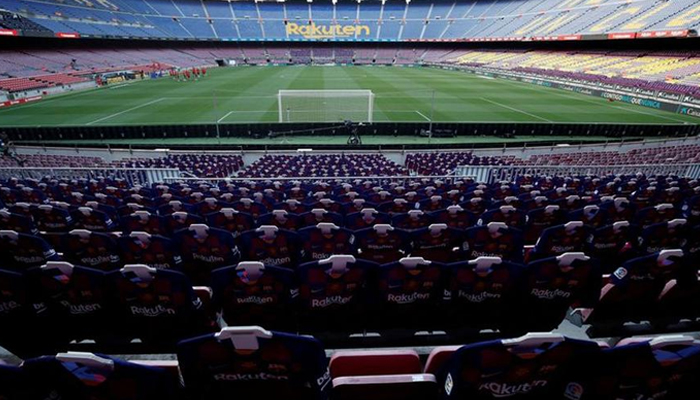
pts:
pixel 342 295
pixel 641 190
pixel 251 362
pixel 31 218
pixel 198 248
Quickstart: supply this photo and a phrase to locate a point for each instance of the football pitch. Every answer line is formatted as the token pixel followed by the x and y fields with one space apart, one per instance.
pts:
pixel 402 94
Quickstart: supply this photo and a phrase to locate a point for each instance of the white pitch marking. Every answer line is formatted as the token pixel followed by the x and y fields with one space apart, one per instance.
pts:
pixel 126 111
pixel 516 110
pixel 224 117
pixel 421 114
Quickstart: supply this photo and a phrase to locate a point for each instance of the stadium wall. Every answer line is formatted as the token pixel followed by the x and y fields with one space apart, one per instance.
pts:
pixel 70 134
pixel 398 156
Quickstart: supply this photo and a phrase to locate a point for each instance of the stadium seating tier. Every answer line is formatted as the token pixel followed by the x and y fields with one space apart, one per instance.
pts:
pixel 394 20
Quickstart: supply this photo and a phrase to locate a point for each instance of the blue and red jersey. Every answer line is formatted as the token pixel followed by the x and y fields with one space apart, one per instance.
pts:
pixel 283 365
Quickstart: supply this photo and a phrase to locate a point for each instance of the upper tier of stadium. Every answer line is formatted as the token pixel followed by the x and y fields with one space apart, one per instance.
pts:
pixel 372 20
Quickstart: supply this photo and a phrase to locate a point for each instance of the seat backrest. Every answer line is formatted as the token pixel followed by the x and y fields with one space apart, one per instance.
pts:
pixel 380 362
pixel 386 387
pixel 438 357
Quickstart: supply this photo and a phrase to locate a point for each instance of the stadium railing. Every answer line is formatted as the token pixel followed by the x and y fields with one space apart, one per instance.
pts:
pixel 132 176
pixel 485 174
pixel 490 174
pixel 374 178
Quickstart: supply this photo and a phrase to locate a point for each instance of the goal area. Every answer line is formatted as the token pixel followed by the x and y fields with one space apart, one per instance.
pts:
pixel 325 105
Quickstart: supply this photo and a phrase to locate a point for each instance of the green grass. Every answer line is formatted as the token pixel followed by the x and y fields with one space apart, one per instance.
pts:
pixel 248 94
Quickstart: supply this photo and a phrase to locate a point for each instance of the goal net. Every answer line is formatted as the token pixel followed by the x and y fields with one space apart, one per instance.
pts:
pixel 325 105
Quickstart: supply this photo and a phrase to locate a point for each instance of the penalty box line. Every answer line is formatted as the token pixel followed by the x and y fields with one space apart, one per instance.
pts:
pixel 126 111
pixel 421 114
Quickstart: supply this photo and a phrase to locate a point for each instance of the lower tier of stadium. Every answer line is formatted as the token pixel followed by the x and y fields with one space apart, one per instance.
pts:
pixel 609 157
pixel 163 279
pixel 443 260
pixel 252 362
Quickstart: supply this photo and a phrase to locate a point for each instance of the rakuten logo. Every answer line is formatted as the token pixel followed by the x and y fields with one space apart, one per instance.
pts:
pixel 320 256
pixel 96 260
pixel 407 298
pixel 152 311
pixel 550 294
pixel 262 376
pixel 255 300
pixel 602 246
pixel 433 246
pixel 79 309
pixel 329 301
pixel 159 266
pixel 54 224
pixel 276 261
pixel 478 297
pixel 476 254
pixel 209 259
pixel 562 249
pixel 506 390
pixel 380 246
pixel 29 260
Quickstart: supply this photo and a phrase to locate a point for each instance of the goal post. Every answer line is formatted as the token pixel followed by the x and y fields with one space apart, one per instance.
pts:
pixel 325 105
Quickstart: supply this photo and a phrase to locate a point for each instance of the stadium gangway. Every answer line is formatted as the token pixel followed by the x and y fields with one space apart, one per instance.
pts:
pixel 400 179
pixel 133 176
pixel 490 174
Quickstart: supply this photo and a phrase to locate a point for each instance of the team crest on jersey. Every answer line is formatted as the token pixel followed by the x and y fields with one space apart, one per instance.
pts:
pixel 449 384
pixel 574 391
pixel 620 273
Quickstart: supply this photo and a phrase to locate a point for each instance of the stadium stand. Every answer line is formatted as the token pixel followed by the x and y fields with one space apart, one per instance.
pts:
pixel 300 369
pixel 390 21
pixel 16 22
pixel 674 73
pixel 671 72
pixel 620 240
pixel 442 163
pixel 212 166
pixel 558 272
pixel 667 155
pixel 48 161
pixel 494 237
pixel 324 165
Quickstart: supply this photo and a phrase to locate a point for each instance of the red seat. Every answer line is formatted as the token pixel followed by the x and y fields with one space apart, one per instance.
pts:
pixel 363 363
pixel 386 387
pixel 438 357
